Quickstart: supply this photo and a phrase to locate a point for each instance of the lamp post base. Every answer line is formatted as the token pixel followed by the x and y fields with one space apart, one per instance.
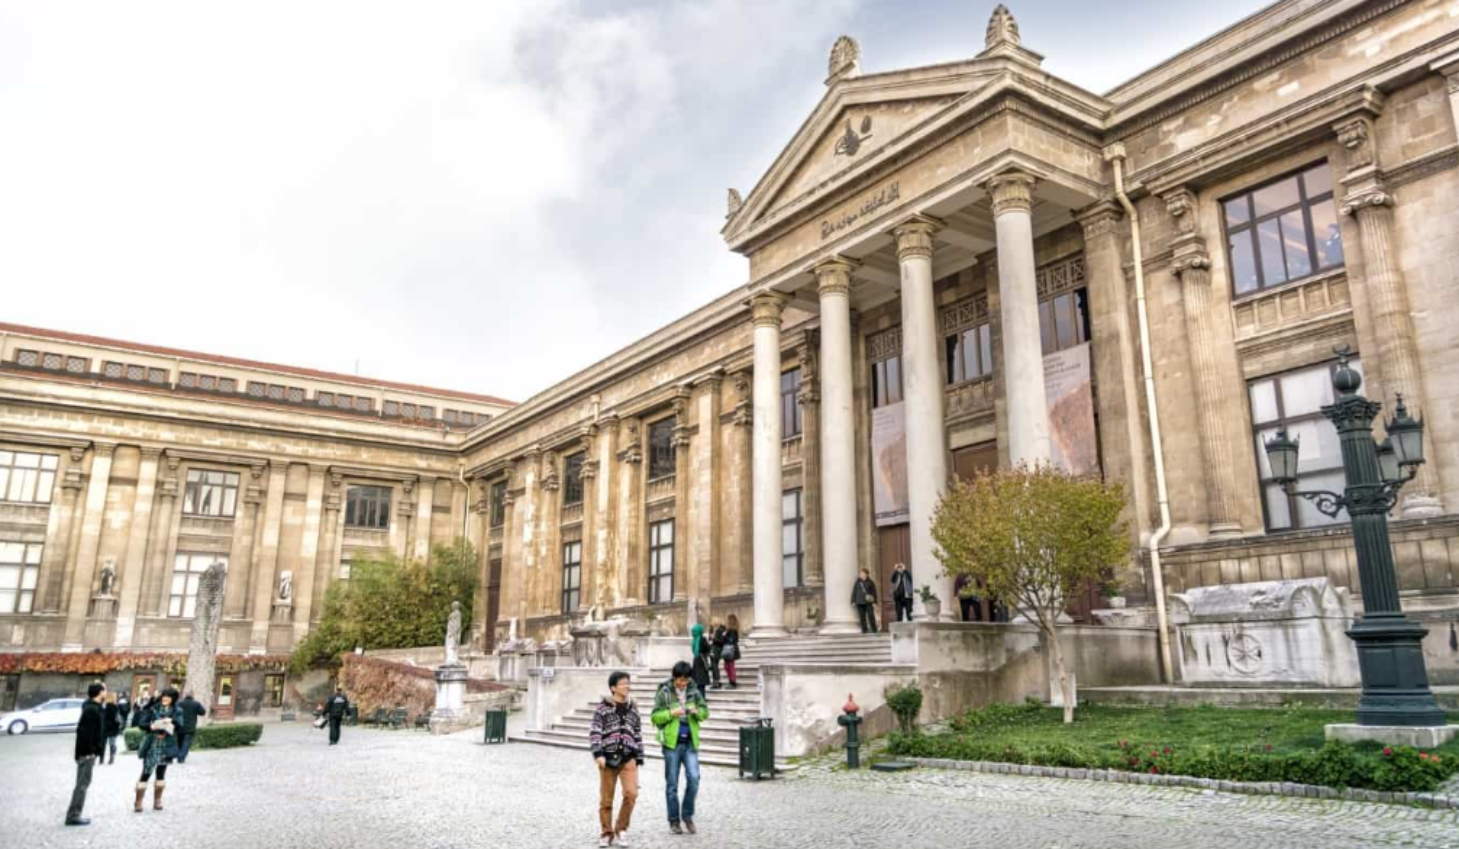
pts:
pixel 1395 685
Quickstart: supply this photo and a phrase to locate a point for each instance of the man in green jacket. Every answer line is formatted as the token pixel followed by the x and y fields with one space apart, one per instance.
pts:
pixel 679 709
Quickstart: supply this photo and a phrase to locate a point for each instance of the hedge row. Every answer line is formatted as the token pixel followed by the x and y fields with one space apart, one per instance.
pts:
pixel 227 736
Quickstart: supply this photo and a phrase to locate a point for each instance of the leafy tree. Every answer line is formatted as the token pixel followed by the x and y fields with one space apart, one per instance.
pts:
pixel 391 603
pixel 1034 537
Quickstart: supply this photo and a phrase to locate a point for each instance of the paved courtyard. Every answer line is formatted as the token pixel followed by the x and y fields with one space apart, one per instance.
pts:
pixel 406 789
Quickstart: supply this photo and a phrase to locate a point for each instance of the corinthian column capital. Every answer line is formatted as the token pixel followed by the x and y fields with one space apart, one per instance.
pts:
pixel 1372 196
pixel 833 276
pixel 766 308
pixel 1012 192
pixel 914 237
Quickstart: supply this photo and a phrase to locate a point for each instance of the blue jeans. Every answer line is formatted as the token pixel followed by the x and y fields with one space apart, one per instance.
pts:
pixel 684 754
pixel 184 742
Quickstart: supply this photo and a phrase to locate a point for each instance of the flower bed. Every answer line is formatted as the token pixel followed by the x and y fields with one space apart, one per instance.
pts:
pixel 224 736
pixel 1225 744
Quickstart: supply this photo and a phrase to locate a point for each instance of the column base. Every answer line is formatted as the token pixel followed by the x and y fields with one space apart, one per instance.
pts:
pixel 1420 506
pixel 1395 684
pixel 1223 530
pixel 838 627
pixel 769 632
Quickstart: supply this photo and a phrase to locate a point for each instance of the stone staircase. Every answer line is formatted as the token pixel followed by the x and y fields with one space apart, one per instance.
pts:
pixel 728 709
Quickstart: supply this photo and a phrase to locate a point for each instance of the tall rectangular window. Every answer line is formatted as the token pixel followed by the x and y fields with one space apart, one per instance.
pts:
pixel 661 448
pixel 790 410
pixel 187 573
pixel 498 504
pixel 886 381
pixel 1283 231
pixel 572 479
pixel 27 477
pixel 792 537
pixel 968 353
pixel 572 576
pixel 210 493
pixel 1295 400
pixel 20 566
pixel 273 691
pixel 367 507
pixel 661 562
pixel 1064 321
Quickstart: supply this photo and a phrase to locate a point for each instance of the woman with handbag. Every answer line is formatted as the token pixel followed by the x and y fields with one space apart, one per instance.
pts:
pixel 160 723
pixel 729 651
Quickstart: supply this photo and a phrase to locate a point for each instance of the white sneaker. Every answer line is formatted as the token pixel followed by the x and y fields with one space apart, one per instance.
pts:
pixel 621 839
pixel 604 842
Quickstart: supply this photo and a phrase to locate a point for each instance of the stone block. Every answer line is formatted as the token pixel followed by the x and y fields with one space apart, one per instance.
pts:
pixel 1420 737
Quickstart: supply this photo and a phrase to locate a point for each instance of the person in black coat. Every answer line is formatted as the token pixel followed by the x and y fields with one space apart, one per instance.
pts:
pixel 902 591
pixel 863 595
pixel 90 745
pixel 191 709
pixel 335 708
pixel 124 708
pixel 112 721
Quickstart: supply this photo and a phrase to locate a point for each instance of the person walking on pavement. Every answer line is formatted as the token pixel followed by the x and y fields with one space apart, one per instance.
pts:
pixel 679 710
pixel 140 707
pixel 731 650
pixel 160 724
pixel 191 709
pixel 902 591
pixel 90 747
pixel 616 738
pixel 335 708
pixel 124 709
pixel 112 724
pixel 863 595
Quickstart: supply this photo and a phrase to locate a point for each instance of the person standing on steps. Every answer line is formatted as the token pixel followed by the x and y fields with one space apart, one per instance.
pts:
pixel 902 591
pixel 699 645
pixel 90 747
pixel 335 708
pixel 191 709
pixel 863 595
pixel 731 650
pixel 160 723
pixel 679 710
pixel 716 653
pixel 616 738
pixel 112 724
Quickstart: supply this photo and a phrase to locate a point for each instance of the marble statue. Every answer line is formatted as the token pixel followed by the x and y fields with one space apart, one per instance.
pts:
pixel 453 634
pixel 108 577
pixel 286 585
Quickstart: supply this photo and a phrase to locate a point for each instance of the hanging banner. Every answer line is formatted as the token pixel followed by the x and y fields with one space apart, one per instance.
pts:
pixel 1071 410
pixel 889 463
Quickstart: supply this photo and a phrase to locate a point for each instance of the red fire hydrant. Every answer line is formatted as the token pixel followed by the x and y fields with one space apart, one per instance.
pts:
pixel 850 718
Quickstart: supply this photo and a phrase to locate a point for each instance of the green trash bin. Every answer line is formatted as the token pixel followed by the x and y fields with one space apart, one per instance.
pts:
pixel 496 726
pixel 757 749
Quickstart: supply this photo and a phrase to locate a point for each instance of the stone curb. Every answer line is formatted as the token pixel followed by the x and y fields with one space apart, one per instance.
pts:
pixel 1256 788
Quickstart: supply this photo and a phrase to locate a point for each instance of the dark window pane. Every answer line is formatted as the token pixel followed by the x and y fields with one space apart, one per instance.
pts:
pixel 1243 263
pixel 1294 239
pixel 661 448
pixel 1327 235
pixel 894 380
pixel 878 384
pixel 950 359
pixel 1276 197
pixel 1269 244
pixel 1046 326
pixel 572 483
pixel 1317 181
pixel 1238 211
pixel 986 345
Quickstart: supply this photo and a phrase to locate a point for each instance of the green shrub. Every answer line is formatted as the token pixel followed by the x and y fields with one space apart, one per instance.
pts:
pixel 906 703
pixel 225 736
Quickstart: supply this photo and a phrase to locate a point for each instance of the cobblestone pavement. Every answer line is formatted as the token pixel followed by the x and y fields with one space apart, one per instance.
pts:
pixel 406 789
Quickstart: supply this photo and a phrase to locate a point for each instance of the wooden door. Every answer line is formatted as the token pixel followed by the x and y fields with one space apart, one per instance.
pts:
pixel 493 602
pixel 895 546
pixel 224 698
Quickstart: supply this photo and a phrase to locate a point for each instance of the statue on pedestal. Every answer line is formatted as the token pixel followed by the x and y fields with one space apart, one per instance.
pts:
pixel 453 635
pixel 108 577
pixel 286 585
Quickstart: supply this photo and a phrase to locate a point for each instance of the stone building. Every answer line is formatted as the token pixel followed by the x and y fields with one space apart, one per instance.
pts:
pixel 951 267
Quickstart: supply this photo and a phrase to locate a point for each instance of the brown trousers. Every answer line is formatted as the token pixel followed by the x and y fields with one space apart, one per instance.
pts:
pixel 626 775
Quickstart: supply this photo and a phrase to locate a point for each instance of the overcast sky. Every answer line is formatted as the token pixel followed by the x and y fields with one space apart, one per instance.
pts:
pixel 485 196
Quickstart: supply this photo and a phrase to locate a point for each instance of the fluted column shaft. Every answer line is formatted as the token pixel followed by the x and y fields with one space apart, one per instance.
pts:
pixel 838 448
pixel 137 537
pixel 1018 300
pixel 92 515
pixel 769 548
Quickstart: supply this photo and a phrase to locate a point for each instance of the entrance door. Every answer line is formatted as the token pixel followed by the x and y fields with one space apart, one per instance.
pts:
pixel 223 704
pixel 143 685
pixel 9 689
pixel 493 602
pixel 895 545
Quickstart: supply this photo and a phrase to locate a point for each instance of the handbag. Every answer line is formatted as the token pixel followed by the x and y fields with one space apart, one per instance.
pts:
pixel 321 722
pixel 613 760
pixel 731 651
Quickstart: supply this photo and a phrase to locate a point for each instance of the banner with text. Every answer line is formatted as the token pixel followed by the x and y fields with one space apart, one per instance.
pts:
pixel 889 463
pixel 1071 410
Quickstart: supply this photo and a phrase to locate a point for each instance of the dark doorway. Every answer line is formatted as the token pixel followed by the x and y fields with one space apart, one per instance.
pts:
pixel 895 546
pixel 493 602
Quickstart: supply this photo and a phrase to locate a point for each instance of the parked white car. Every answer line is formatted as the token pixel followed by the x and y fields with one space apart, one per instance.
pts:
pixel 53 715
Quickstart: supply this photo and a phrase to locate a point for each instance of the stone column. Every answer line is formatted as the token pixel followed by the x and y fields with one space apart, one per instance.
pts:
pixel 809 397
pixel 326 568
pixel 266 561
pixel 683 547
pixel 741 563
pixel 1367 199
pixel 424 506
pixel 1191 267
pixel 589 476
pixel 923 390
pixel 707 490
pixel 235 592
pixel 157 585
pixel 57 554
pixel 632 574
pixel 1018 300
pixel 838 447
pixel 138 535
pixel 88 546
pixel 549 549
pixel 309 565
pixel 480 538
pixel 769 549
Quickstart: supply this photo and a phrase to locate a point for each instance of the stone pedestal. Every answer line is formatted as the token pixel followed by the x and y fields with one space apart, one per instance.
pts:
pixel 1419 737
pixel 450 714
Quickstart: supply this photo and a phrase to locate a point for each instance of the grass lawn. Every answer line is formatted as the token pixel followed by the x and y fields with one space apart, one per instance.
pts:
pixel 1281 744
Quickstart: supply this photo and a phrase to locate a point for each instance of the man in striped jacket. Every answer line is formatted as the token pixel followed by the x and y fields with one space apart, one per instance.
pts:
pixel 617 742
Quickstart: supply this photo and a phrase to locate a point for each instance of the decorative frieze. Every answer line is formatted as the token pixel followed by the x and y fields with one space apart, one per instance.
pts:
pixel 969 312
pixel 1064 275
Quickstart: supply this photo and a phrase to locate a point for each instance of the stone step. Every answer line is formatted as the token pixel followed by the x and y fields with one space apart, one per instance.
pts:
pixel 709 755
pixel 726 735
pixel 737 714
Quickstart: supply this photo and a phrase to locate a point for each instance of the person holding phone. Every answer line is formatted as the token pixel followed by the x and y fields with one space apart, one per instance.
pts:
pixel 616 738
pixel 679 709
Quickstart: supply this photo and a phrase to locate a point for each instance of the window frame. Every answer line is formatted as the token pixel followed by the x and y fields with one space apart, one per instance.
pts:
pixel 572 575
pixel 1282 420
pixel 1304 203
pixel 954 353
pixel 572 478
pixel 498 504
pixel 381 516
pixel 798 522
pixel 28 566
pixel 193 489
pixel 42 476
pixel 662 461
pixel 660 554
pixel 192 578
pixel 792 415
pixel 1077 313
pixel 273 696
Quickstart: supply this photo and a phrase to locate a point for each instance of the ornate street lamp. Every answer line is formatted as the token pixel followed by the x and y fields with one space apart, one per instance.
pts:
pixel 1390 651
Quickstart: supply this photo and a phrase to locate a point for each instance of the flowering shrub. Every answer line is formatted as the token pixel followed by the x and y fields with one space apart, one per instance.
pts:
pixel 100 663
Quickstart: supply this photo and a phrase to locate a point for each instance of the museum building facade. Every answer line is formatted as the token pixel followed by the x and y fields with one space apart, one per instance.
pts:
pixel 951 268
